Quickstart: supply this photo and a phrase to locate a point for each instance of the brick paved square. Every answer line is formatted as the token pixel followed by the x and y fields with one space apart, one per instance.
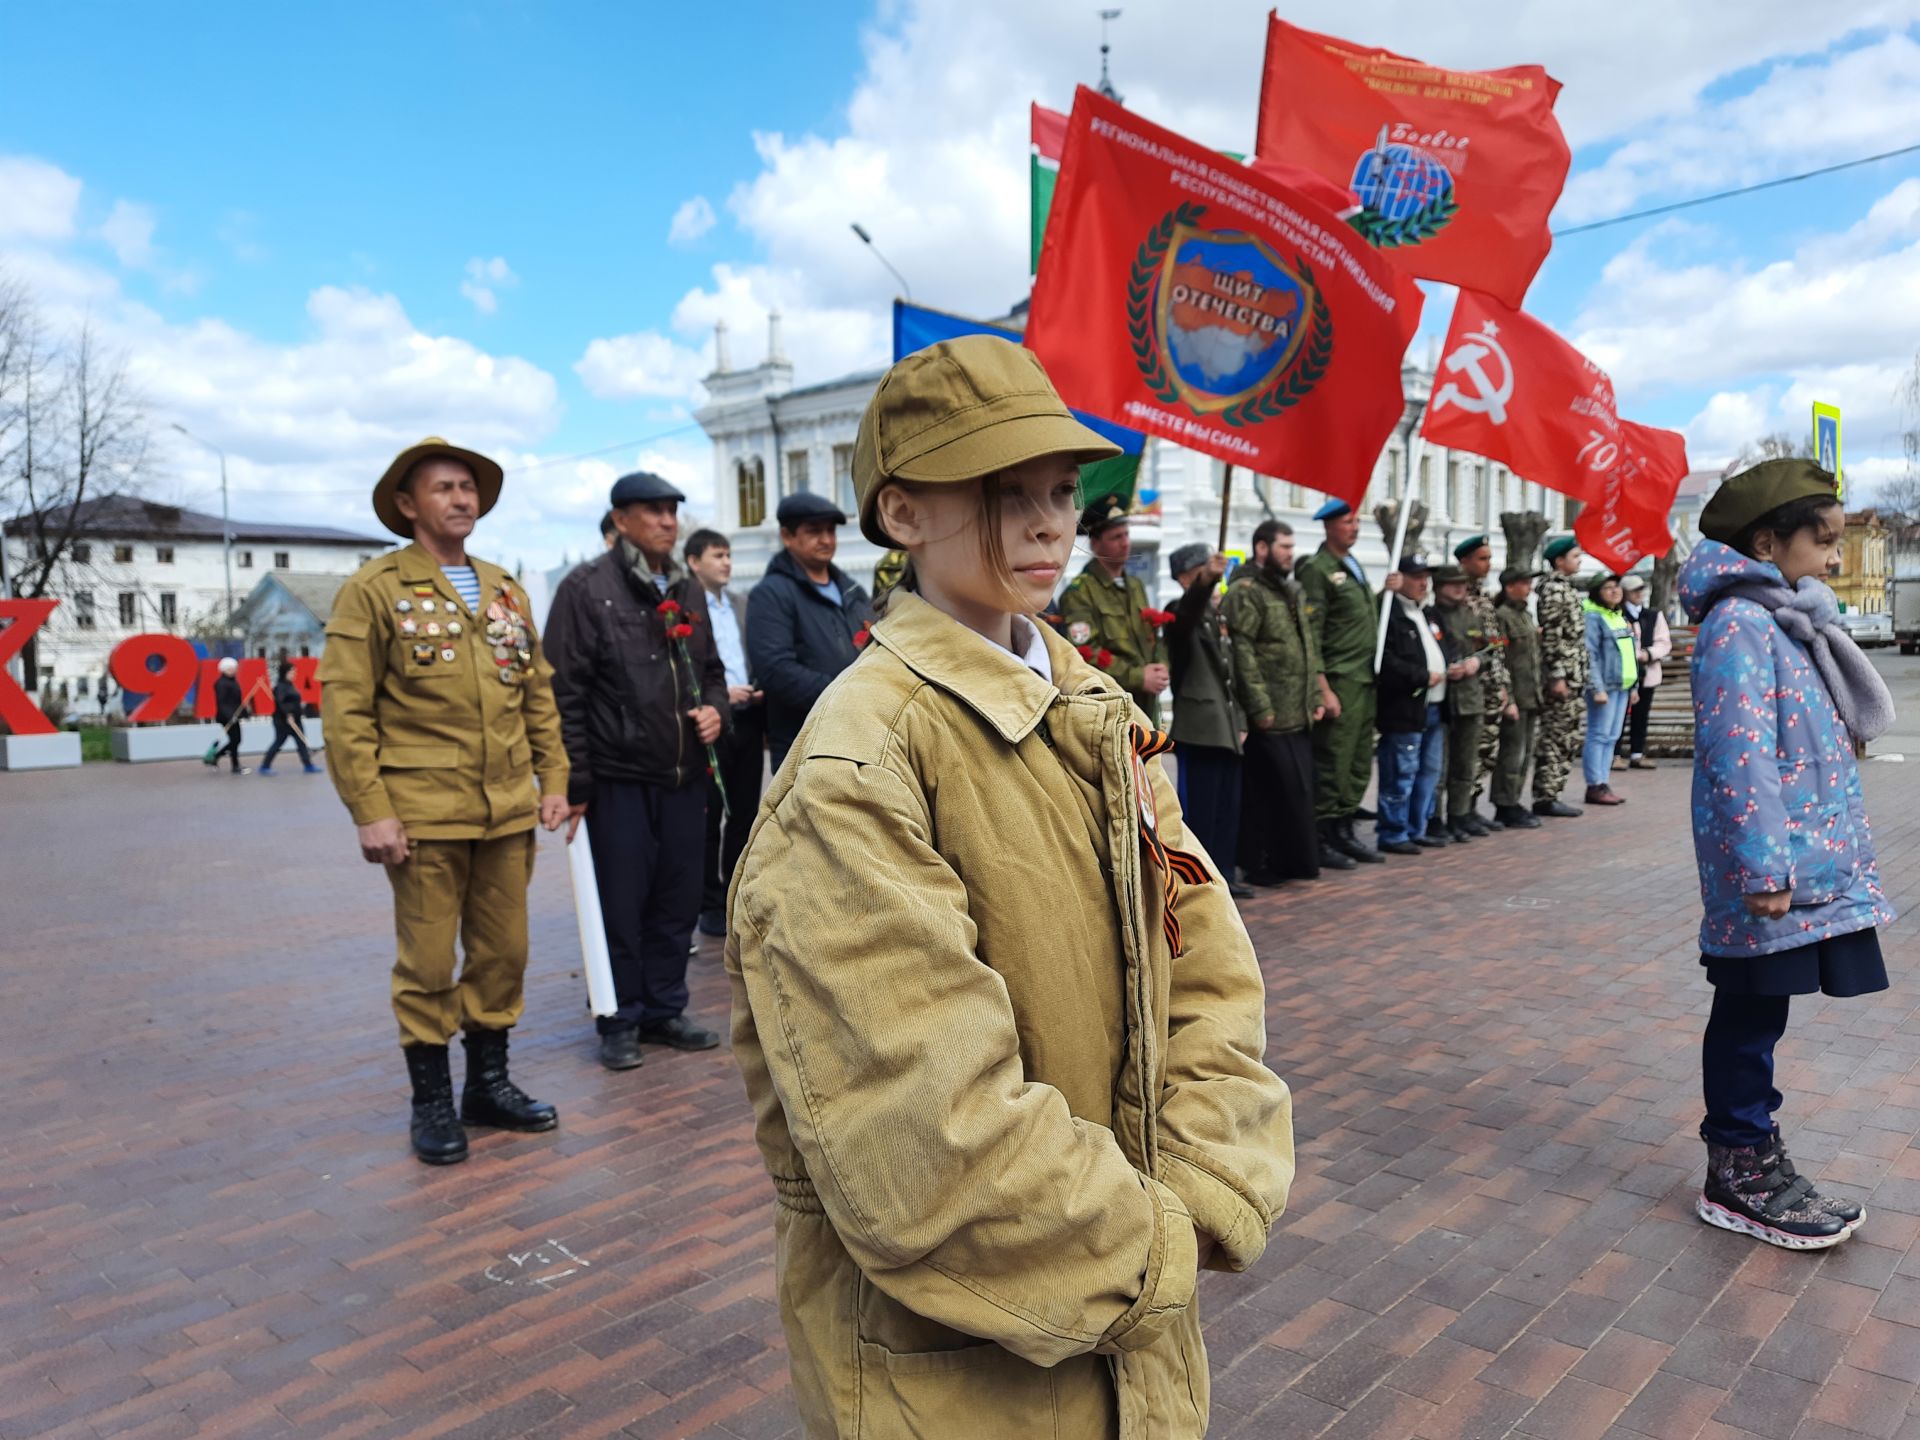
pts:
pixel 210 1222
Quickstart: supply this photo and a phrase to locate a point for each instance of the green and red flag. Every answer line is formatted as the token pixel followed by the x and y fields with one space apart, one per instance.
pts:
pixel 1200 299
pixel 1456 171
pixel 1049 140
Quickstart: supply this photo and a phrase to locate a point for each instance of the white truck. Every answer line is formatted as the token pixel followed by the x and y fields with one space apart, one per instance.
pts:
pixel 1904 596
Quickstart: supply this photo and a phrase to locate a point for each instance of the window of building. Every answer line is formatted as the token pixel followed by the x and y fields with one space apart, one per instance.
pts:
pixel 129 607
pixel 82 554
pixel 1393 474
pixel 163 554
pixel 283 559
pixel 750 489
pixel 83 609
pixel 798 478
pixel 1453 488
pixel 1426 480
pixel 1296 497
pixel 843 495
pixel 169 608
pixel 243 558
pixel 123 554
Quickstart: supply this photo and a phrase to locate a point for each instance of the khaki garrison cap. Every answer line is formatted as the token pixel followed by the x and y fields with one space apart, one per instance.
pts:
pixel 1759 491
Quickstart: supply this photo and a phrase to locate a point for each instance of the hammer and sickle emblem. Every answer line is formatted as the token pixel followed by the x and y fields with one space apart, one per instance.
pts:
pixel 1489 397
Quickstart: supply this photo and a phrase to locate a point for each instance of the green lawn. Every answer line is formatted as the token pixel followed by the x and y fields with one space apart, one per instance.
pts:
pixel 96 742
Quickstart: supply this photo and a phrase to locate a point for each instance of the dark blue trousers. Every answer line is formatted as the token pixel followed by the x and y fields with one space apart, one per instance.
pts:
pixel 1736 1067
pixel 1210 800
pixel 648 853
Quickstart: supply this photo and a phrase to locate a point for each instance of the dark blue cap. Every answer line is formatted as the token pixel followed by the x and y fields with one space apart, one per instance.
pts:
pixel 641 485
pixel 804 508
pixel 1333 510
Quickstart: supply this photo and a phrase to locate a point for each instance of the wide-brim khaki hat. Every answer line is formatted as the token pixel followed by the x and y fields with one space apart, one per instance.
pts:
pixel 959 410
pixel 487 475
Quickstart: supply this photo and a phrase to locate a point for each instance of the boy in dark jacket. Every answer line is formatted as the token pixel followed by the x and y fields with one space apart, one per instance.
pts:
pixel 1412 671
pixel 287 707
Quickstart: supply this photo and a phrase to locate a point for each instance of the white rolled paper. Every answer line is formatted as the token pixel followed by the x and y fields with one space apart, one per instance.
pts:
pixel 593 931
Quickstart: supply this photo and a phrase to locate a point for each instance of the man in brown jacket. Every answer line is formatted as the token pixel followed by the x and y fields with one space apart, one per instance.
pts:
pixel 439 714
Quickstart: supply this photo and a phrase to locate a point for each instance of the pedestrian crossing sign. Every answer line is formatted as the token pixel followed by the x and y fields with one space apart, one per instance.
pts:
pixel 1826 442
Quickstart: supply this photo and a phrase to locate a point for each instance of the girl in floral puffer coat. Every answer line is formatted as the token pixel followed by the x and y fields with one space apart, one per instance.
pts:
pixel 1788 878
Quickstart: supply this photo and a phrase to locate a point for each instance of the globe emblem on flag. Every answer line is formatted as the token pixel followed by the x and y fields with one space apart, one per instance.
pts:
pixel 1405 195
pixel 1221 323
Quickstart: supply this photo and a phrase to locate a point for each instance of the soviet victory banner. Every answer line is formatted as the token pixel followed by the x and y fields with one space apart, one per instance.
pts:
pixel 1456 170
pixel 1627 518
pixel 1195 298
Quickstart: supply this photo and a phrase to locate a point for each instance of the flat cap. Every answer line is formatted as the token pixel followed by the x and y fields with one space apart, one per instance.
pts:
pixel 641 485
pixel 1467 546
pixel 1754 493
pixel 803 507
pixel 1631 583
pixel 1333 510
pixel 1449 575
pixel 1516 573
pixel 1107 511
pixel 1188 557
pixel 1414 563
pixel 1556 548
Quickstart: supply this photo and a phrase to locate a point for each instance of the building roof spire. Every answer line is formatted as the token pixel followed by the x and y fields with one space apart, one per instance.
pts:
pixel 1106 82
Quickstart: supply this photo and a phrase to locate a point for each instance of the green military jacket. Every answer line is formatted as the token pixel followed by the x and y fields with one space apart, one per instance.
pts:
pixel 1276 655
pixel 435 716
pixel 1563 632
pixel 1522 653
pixel 1493 664
pixel 1471 640
pixel 1102 614
pixel 1345 613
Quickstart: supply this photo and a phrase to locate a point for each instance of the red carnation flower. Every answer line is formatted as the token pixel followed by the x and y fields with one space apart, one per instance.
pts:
pixel 668 607
pixel 681 632
pixel 1104 659
pixel 862 636
pixel 1086 653
pixel 1157 618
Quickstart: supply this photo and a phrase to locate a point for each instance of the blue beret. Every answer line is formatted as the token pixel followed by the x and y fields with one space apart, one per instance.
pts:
pixel 1467 546
pixel 804 507
pixel 1333 510
pixel 632 489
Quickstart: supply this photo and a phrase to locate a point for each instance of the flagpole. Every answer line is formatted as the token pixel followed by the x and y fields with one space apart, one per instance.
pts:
pixel 1226 504
pixel 1414 447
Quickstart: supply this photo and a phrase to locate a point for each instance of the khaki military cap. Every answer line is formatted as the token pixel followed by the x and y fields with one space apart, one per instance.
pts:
pixel 1758 491
pixel 486 475
pixel 959 410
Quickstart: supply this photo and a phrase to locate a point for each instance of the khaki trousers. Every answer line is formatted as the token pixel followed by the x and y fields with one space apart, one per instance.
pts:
pixel 467 892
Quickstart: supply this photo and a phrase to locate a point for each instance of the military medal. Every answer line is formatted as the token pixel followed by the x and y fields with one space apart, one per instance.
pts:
pixel 403 605
pixel 426 607
pixel 433 627
pixel 453 627
pixel 448 654
pixel 408 625
pixel 423 654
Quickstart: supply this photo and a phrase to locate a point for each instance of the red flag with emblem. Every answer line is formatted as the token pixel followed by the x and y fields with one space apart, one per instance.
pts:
pixel 1456 170
pixel 1627 518
pixel 1199 299
pixel 1508 388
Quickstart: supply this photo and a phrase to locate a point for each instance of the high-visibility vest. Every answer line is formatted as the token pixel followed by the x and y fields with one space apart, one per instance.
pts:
pixel 1624 636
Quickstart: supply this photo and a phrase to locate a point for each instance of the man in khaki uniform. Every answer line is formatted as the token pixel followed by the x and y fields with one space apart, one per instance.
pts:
pixel 440 714
pixel 1102 610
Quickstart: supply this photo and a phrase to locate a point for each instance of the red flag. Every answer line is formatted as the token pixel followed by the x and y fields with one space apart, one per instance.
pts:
pixel 1509 388
pixel 1201 300
pixel 1627 519
pixel 1457 169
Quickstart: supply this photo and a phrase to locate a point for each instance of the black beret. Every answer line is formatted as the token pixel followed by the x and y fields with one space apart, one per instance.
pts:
pixel 1763 489
pixel 804 508
pixel 1106 511
pixel 641 485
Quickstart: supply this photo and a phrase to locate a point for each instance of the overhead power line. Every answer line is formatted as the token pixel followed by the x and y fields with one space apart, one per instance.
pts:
pixel 1730 194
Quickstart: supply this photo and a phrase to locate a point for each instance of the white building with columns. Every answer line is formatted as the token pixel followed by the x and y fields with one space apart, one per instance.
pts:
pixel 771 440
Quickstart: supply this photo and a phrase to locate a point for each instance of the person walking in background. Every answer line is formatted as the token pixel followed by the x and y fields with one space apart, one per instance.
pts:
pixel 642 694
pixel 1563 665
pixel 1653 644
pixel 1412 687
pixel 1521 652
pixel 230 707
pixel 1789 884
pixel 1207 724
pixel 742 746
pixel 1613 671
pixel 1103 609
pixel 287 707
pixel 803 617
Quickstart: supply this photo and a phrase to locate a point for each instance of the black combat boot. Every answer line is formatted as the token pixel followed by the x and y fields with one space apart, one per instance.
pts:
pixel 1752 1190
pixel 1475 825
pixel 490 1098
pixel 1517 817
pixel 1348 842
pixel 1437 836
pixel 1332 857
pixel 1556 809
pixel 437 1136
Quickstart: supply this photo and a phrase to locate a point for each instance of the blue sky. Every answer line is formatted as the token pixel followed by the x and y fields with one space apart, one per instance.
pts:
pixel 318 234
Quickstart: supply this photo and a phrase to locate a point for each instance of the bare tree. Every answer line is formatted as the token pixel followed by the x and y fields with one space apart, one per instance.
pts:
pixel 1778 446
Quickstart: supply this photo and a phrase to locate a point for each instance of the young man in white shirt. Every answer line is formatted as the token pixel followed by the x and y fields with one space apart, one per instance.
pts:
pixel 742 749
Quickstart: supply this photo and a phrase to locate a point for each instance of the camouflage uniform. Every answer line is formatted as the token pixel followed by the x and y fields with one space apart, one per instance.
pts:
pixel 1499 686
pixel 1563 656
pixel 1102 613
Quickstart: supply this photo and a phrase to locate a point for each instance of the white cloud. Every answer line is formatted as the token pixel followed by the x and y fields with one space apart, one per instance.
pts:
pixel 645 363
pixel 692 220
pixel 128 231
pixel 485 279
pixel 37 200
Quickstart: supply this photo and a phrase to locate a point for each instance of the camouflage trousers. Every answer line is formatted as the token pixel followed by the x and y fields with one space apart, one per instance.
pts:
pixel 1489 750
pixel 1557 743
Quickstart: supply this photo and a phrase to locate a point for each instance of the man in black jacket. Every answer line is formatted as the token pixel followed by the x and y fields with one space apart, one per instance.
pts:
pixel 229 709
pixel 1207 725
pixel 802 617
pixel 1410 714
pixel 641 692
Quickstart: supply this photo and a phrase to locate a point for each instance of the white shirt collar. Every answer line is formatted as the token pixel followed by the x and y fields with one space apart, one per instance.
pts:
pixel 1035 656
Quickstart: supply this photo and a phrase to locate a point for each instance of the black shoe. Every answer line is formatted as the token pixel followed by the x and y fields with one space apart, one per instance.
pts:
pixel 1430 841
pixel 1458 833
pixel 680 1033
pixel 1556 810
pixel 1263 880
pixel 1239 891
pixel 1848 1212
pixel 436 1133
pixel 1365 814
pixel 1750 1191
pixel 1349 843
pixel 1399 847
pixel 714 923
pixel 1514 817
pixel 1474 824
pixel 1333 859
pixel 490 1098
pixel 1490 822
pixel 620 1049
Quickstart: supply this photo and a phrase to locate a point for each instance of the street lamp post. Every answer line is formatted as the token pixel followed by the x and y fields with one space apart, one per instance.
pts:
pixel 226 522
pixel 867 240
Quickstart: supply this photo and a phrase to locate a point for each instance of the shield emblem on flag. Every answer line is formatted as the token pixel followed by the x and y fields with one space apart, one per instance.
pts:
pixel 1230 318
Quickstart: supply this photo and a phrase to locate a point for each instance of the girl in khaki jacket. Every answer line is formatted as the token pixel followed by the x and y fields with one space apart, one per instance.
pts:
pixel 998 1017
